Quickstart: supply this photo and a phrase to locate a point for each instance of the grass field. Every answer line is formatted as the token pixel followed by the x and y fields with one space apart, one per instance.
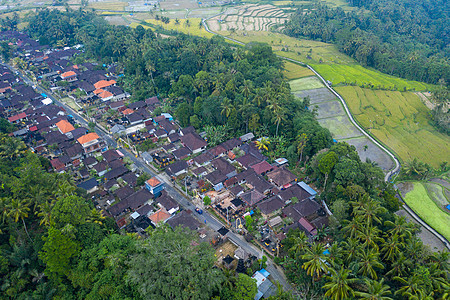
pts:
pixel 353 73
pixel 400 120
pixel 306 83
pixel 328 61
pixel 193 29
pixel 294 71
pixel 420 201
pixel 110 6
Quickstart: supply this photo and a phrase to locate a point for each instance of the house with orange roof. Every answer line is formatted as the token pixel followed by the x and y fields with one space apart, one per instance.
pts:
pixel 64 126
pixel 128 111
pixel 104 83
pixel 105 95
pixel 98 91
pixel 69 76
pixel 154 185
pixel 91 142
pixel 160 216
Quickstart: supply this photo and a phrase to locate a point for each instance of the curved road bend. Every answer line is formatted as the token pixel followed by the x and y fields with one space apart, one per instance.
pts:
pixel 204 218
pixel 391 173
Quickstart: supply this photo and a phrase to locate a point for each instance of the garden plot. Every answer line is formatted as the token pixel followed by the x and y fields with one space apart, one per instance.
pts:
pixel 329 109
pixel 400 120
pixel 307 83
pixel 373 152
pixel 316 95
pixel 249 17
pixel 340 127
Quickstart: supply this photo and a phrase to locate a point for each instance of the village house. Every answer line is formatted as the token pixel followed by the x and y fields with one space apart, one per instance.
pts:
pixel 91 142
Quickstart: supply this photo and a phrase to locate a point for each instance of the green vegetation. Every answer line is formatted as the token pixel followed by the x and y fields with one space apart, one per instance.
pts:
pixel 383 34
pixel 364 77
pixel 306 83
pixel 420 201
pixel 400 120
pixel 294 71
pixel 329 62
pixel 373 252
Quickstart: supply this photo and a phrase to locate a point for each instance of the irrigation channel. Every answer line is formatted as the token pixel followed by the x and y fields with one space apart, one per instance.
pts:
pixel 391 173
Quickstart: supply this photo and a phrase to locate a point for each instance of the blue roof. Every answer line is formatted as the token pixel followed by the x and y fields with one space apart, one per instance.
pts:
pixel 44 95
pixel 448 207
pixel 326 252
pixel 307 188
pixel 335 141
pixel 264 272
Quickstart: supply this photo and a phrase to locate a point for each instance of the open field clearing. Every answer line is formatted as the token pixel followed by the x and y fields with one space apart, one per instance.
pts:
pixel 248 17
pixel 354 73
pixel 116 20
pixel 400 120
pixel 316 95
pixel 436 192
pixel 340 127
pixel 306 83
pixel 373 152
pixel 328 61
pixel 294 71
pixel 192 27
pixel 420 201
pixel 108 5
pixel 329 109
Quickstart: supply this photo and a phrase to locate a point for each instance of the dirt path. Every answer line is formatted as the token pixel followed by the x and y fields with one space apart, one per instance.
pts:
pixel 425 96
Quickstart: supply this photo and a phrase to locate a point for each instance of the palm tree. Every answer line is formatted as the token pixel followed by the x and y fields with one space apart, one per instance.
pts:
pixel 370 211
pixel 338 285
pixel 410 286
pixel 400 266
pixel 400 227
pixel 300 243
pixel 246 88
pixel 352 248
pixel 442 259
pixel 302 139
pixel 11 147
pixel 45 212
pixel 367 261
pixel 315 263
pixel 391 247
pixel 370 236
pixel 227 107
pixel 352 227
pixel 18 209
pixel 376 290
pixel 96 217
pixel 263 143
pixel 279 116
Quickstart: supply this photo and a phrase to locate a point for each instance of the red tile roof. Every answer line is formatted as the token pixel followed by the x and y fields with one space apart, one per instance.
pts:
pixel 105 94
pixel 153 181
pixel 262 167
pixel 159 216
pixel 128 111
pixel 104 83
pixel 68 74
pixel 88 138
pixel 98 91
pixel 64 126
pixel 20 116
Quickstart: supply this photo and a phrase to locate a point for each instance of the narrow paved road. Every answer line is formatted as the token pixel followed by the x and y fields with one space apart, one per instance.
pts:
pixel 204 218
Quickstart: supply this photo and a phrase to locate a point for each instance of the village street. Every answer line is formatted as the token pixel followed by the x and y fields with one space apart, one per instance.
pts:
pixel 205 218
